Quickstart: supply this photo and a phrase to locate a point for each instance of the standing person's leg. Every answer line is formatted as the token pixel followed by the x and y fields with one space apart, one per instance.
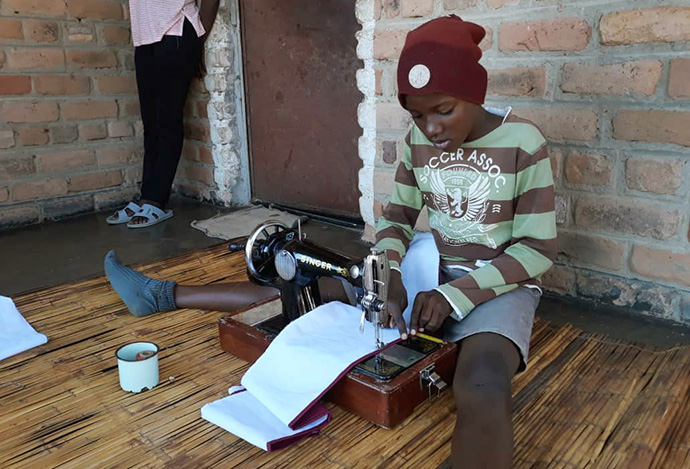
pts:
pixel 176 60
pixel 483 436
pixel 146 86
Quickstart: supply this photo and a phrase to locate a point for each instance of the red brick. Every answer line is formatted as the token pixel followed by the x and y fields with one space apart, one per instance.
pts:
pixel 129 107
pixel 659 24
pixel 589 169
pixel 63 160
pixel 91 59
pixel 388 43
pixel 11 29
pixel 6 139
pixel 35 59
pixel 378 75
pixel 66 134
pixel 450 5
pixel 4 194
pixel 383 181
pixel 134 175
pixel 657 175
pixel 417 8
pixel 95 9
pixel 390 116
pixel 202 109
pixel 39 189
pixel 389 152
pixel 84 110
pixel 82 33
pixel 42 31
pixel 17 167
pixel 61 84
pixel 629 217
pixel 562 123
pixel 92 131
pixel 115 35
pixel 16 216
pixel 679 79
pixel 591 250
pixel 562 34
pixel 205 155
pixel 488 40
pixel 639 77
pixel 556 157
pixel 496 4
pixel 31 113
pixel 196 131
pixel 391 8
pixel 92 181
pixel 117 85
pixel 120 129
pixel 51 8
pixel 518 81
pixel 15 84
pixel 202 174
pixel 559 279
pixel 661 264
pixel 653 126
pixel 118 155
pixel 33 136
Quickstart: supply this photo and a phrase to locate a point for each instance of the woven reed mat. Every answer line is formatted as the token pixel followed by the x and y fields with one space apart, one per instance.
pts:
pixel 584 401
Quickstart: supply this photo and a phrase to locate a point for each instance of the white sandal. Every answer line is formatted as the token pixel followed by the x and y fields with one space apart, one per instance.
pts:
pixel 121 215
pixel 153 216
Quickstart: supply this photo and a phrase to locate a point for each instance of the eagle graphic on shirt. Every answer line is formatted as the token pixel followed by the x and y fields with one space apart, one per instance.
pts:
pixel 460 198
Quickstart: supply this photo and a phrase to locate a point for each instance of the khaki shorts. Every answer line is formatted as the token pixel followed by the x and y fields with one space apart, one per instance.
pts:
pixel 510 315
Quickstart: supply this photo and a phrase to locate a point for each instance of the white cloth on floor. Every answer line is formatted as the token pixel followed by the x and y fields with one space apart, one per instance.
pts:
pixel 243 415
pixel 16 335
pixel 307 358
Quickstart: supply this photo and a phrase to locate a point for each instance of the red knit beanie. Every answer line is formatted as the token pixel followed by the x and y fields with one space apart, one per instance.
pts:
pixel 442 56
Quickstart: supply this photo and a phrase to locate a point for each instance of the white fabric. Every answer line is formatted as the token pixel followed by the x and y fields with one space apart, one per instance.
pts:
pixel 16 335
pixel 244 416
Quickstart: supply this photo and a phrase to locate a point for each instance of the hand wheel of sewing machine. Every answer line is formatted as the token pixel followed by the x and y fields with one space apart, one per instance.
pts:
pixel 260 248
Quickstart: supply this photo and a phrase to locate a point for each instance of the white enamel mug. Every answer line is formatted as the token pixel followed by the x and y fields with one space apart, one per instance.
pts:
pixel 137 375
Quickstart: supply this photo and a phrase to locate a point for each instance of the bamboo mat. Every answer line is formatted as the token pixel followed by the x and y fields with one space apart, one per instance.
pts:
pixel 585 401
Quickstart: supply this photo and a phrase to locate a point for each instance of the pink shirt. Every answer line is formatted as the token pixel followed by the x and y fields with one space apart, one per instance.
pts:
pixel 153 19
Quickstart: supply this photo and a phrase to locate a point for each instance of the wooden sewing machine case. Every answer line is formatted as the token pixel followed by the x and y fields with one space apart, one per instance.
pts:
pixel 385 403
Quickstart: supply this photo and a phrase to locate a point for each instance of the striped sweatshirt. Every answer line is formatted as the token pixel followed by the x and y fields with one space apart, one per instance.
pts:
pixel 491 210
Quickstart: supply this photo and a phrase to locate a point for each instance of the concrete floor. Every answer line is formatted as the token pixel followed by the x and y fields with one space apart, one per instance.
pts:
pixel 66 251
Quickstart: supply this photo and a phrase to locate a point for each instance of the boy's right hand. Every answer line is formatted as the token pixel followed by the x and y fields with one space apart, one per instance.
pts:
pixel 397 302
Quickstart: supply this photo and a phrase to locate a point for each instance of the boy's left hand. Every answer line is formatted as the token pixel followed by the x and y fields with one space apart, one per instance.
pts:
pixel 429 311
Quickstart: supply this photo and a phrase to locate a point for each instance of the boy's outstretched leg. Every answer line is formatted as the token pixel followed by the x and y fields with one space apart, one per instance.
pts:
pixel 483 436
pixel 144 295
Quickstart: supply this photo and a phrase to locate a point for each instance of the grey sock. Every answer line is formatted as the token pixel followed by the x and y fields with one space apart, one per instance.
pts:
pixel 142 295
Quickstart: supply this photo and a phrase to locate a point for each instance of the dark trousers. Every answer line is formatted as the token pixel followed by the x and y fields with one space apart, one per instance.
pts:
pixel 164 71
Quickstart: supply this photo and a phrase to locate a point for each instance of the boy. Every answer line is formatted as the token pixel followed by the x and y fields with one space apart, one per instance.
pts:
pixel 487 184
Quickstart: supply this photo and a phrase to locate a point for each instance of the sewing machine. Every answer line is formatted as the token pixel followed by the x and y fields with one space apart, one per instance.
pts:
pixel 384 388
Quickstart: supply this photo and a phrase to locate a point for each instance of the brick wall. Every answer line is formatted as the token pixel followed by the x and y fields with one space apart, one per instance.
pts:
pixel 70 131
pixel 608 83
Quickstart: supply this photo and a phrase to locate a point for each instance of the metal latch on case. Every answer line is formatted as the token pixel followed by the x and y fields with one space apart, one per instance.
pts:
pixel 431 380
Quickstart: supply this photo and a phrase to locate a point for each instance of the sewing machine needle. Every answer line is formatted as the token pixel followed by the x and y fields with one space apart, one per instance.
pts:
pixel 361 322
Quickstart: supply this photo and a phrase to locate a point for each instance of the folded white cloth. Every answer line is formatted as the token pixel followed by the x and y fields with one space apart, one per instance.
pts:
pixel 308 357
pixel 278 401
pixel 16 335
pixel 243 415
